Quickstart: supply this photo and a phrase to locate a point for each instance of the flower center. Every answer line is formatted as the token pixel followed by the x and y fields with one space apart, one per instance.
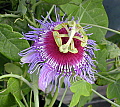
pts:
pixel 72 28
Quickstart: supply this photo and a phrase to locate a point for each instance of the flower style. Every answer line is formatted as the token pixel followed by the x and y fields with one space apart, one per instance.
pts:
pixel 61 49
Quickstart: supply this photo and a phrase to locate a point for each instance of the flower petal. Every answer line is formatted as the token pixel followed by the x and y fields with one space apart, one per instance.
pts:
pixel 29 58
pixel 46 76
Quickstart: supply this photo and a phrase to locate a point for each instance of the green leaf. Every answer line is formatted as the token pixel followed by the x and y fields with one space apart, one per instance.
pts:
pixel 91 12
pixel 6 99
pixel 12 68
pixel 82 86
pixel 6 27
pixel 76 1
pixel 19 25
pixel 101 57
pixel 84 100
pixel 10 44
pixel 113 90
pixel 113 50
pixel 21 7
pixel 2 62
pixel 101 81
pixel 79 88
pixel 13 86
pixel 57 2
pixel 75 99
pixel 18 101
pixel 42 8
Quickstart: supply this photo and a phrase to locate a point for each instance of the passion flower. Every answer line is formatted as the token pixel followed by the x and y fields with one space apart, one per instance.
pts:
pixel 60 49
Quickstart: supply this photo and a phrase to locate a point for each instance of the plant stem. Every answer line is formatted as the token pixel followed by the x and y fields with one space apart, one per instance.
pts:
pixel 116 105
pixel 54 98
pixel 24 99
pixel 36 97
pixel 4 2
pixel 9 15
pixel 114 72
pixel 49 13
pixel 105 78
pixel 110 62
pixel 115 31
pixel 32 23
pixel 31 98
pixel 18 77
pixel 63 97
pixel 32 16
pixel 36 4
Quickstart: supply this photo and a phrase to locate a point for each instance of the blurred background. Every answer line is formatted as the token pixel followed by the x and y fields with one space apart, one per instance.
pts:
pixel 112 8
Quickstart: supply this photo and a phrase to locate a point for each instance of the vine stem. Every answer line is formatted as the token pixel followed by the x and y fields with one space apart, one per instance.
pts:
pixel 9 15
pixel 63 97
pixel 115 31
pixel 32 11
pixel 36 97
pixel 18 77
pixel 31 98
pixel 36 4
pixel 105 77
pixel 49 13
pixel 116 105
pixel 54 98
pixel 35 90
pixel 115 71
pixel 32 23
pixel 110 62
pixel 24 99
pixel 32 16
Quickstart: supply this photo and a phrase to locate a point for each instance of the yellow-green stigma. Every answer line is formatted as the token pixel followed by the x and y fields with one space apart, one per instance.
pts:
pixel 72 28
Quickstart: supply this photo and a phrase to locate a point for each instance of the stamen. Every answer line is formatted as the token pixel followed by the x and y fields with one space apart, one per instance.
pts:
pixel 71 33
pixel 64 48
pixel 73 28
pixel 57 38
pixel 72 48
